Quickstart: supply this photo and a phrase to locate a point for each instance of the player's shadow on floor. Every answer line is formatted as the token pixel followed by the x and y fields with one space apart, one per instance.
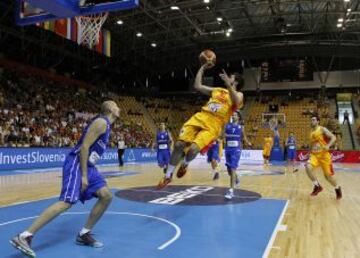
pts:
pixel 59 234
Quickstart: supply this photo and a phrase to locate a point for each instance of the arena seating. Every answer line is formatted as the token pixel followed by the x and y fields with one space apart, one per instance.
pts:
pixel 174 112
pixel 41 113
pixel 297 114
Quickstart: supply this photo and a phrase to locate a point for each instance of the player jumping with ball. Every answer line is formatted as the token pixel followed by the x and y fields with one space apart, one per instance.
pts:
pixel 198 133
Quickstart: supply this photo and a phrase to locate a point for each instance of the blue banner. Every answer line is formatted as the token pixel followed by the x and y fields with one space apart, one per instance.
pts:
pixel 22 158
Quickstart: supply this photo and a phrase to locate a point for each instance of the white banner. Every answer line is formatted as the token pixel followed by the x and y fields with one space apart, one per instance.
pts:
pixel 246 156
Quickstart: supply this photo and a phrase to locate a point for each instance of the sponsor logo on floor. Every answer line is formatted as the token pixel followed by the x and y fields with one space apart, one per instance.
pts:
pixel 186 195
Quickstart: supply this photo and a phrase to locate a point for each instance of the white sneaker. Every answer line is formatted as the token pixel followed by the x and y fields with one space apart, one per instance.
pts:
pixel 23 244
pixel 230 194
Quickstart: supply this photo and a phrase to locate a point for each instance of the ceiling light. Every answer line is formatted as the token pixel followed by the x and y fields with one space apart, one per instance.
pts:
pixel 139 34
pixel 346 0
pixel 230 30
pixel 349 10
pixel 174 7
pixel 120 22
pixel 340 20
pixel 153 44
pixel 228 34
pixel 206 1
pixel 339 25
pixel 219 19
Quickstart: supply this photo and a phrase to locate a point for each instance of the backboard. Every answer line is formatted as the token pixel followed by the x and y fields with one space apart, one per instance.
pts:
pixel 35 11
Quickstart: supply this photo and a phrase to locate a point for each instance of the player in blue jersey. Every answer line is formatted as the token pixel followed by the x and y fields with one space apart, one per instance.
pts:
pixel 163 143
pixel 80 181
pixel 234 135
pixel 291 151
pixel 214 156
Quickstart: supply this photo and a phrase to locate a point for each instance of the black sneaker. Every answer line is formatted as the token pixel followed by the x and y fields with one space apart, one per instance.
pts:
pixel 24 245
pixel 216 176
pixel 88 240
pixel 338 193
pixel 182 170
pixel 317 189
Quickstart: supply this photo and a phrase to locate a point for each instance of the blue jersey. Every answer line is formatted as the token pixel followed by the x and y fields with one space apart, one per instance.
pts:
pixel 234 135
pixel 71 183
pixel 291 143
pixel 163 140
pixel 98 147
pixel 276 138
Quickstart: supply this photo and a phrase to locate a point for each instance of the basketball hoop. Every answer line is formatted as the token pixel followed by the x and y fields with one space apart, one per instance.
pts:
pixel 89 28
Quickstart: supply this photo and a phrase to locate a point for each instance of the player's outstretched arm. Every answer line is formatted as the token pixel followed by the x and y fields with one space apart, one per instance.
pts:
pixel 95 130
pixel 237 98
pixel 198 86
pixel 329 135
pixel 171 141
pixel 246 139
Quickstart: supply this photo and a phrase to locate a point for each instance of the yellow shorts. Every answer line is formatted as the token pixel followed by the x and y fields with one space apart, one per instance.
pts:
pixel 266 152
pixel 202 129
pixel 322 160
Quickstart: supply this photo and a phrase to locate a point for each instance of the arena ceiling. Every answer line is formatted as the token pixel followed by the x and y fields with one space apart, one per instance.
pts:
pixel 257 29
pixel 238 28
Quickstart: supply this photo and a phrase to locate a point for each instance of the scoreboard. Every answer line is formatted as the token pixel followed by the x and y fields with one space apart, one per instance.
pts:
pixel 286 70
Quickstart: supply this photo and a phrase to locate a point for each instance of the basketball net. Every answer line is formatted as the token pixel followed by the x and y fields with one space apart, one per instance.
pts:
pixel 89 28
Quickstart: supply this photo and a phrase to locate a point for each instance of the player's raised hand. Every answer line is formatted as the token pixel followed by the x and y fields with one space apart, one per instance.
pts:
pixel 225 77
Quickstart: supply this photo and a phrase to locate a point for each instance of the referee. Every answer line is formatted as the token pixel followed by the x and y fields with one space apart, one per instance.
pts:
pixel 121 149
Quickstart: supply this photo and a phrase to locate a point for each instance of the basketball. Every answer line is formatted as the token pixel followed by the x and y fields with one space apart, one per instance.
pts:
pixel 207 57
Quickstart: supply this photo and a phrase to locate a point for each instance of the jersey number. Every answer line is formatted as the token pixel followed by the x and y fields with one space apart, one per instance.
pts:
pixel 214 107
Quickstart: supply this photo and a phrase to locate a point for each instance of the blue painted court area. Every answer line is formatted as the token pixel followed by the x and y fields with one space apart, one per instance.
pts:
pixel 142 230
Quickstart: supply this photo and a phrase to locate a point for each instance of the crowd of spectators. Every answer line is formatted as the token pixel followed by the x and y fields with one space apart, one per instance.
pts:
pixel 35 112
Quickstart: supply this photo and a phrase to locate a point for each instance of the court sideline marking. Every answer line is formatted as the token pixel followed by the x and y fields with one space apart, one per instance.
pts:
pixel 278 227
pixel 161 247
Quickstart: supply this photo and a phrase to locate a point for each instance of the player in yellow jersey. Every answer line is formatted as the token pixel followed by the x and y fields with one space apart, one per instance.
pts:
pixel 268 143
pixel 321 139
pixel 198 133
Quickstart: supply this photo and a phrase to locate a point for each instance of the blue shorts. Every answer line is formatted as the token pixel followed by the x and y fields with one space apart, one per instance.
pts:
pixel 232 159
pixel 291 154
pixel 213 153
pixel 163 157
pixel 71 182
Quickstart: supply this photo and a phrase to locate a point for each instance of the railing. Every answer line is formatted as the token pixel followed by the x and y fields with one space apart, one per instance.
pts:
pixel 351 135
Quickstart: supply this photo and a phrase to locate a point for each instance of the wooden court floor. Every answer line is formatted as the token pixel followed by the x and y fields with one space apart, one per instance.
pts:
pixel 319 227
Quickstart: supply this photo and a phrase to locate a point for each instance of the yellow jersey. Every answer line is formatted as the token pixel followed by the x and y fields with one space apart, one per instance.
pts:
pixel 318 140
pixel 220 105
pixel 268 142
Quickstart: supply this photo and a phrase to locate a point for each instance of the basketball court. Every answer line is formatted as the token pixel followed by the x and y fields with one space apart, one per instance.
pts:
pixel 271 216
pixel 272 213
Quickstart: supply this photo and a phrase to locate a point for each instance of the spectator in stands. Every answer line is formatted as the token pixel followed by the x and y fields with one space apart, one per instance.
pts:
pixel 346 117
pixel 274 108
pixel 2 99
pixel 44 110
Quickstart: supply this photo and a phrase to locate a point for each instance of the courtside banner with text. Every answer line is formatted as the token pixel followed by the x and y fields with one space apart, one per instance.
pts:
pixel 246 155
pixel 337 156
pixel 22 158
